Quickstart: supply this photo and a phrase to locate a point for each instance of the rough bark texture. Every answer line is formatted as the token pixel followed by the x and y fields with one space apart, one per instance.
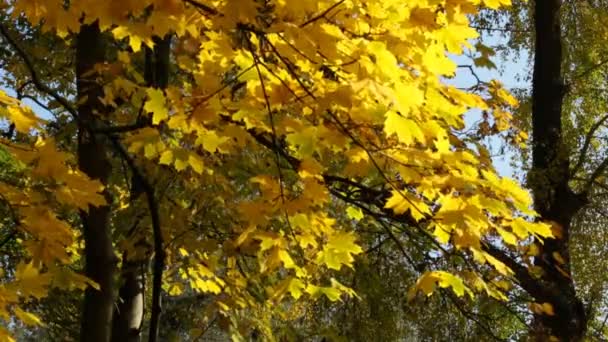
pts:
pixel 93 160
pixel 554 199
pixel 130 308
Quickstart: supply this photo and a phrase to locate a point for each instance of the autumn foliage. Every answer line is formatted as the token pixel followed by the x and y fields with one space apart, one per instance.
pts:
pixel 285 126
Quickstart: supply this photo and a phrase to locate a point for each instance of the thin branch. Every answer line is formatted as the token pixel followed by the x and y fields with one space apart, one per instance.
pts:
pixel 35 79
pixel 595 175
pixel 203 7
pixel 8 238
pixel 470 315
pixel 587 143
pixel 290 69
pixel 120 129
pixel 589 71
pixel 322 14
pixel 524 278
pixel 499 29
pixel 159 252
pixel 473 73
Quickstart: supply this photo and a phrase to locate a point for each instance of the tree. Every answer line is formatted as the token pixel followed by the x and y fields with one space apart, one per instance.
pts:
pixel 579 164
pixel 282 126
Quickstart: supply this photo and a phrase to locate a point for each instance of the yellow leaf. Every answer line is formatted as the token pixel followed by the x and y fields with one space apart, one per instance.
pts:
pixel 150 151
pixel 407 130
pixel 559 258
pixel 32 283
pixel 310 168
pixel 303 142
pixel 196 163
pixel 286 259
pixel 210 140
pixel 427 282
pixel 495 4
pixel 181 164
pixel 508 237
pixel 5 336
pixel 523 228
pixel 316 291
pixel 354 213
pixel 166 158
pixel 175 289
pixel 23 118
pixel 540 308
pixel 27 318
pixel 442 143
pixel 135 41
pixel 295 288
pixel 401 201
pixel 548 309
pixel 202 285
pixel 339 250
pixel 497 264
pixel 156 105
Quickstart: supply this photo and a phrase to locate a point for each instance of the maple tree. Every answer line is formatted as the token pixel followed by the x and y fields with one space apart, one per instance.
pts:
pixel 240 145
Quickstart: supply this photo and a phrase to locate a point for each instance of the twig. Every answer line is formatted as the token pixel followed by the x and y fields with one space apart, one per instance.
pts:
pixel 587 143
pixel 322 14
pixel 203 7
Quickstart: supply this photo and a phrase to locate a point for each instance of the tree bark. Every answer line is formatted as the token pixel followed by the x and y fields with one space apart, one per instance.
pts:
pixel 94 161
pixel 129 314
pixel 554 200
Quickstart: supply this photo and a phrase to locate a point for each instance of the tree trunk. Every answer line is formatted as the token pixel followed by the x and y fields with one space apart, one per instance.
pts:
pixel 129 312
pixel 553 198
pixel 93 160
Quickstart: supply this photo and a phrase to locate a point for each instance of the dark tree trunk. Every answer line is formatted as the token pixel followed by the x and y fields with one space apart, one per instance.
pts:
pixel 93 160
pixel 554 199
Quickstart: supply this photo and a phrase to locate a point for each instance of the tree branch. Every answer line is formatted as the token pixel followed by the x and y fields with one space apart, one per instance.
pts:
pixel 322 14
pixel 203 7
pixel 159 251
pixel 523 277
pixel 35 79
pixel 590 70
pixel 595 175
pixel 587 143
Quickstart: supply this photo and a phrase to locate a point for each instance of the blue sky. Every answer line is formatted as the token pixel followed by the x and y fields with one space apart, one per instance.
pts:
pixel 507 72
